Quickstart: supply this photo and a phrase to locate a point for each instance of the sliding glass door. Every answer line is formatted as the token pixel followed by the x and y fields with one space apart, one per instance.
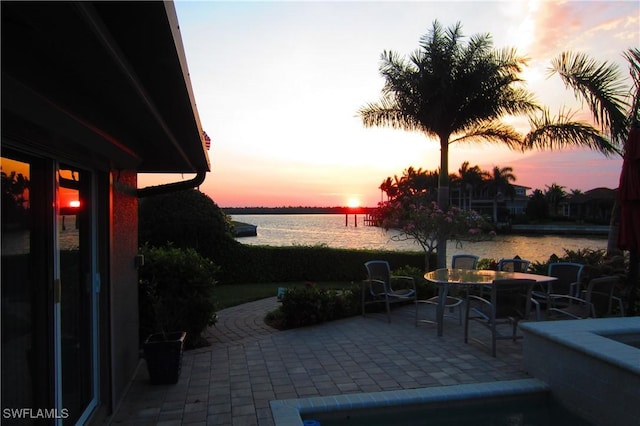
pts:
pixel 77 286
pixel 50 289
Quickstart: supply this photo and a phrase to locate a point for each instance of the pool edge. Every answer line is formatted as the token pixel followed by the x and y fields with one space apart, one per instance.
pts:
pixel 288 412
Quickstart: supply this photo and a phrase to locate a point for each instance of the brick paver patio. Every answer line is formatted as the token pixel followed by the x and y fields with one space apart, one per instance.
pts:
pixel 249 364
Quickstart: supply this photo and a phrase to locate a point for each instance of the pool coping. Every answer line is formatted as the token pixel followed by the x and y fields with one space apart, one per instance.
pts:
pixel 289 412
pixel 590 336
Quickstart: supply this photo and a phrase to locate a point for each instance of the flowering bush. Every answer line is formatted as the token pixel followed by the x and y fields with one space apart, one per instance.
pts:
pixel 428 223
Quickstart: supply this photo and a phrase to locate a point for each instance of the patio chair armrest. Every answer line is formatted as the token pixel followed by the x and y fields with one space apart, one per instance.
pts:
pixel 381 289
pixel 556 297
pixel 539 294
pixel 537 306
pixel 403 278
pixel 478 298
pixel 553 298
pixel 620 304
pixel 410 280
pixel 574 288
pixel 616 299
pixel 471 298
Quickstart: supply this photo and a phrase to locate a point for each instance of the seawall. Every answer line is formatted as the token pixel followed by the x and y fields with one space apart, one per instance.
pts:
pixel 560 229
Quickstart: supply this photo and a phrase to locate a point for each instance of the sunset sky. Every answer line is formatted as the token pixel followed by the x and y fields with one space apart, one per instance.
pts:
pixel 278 86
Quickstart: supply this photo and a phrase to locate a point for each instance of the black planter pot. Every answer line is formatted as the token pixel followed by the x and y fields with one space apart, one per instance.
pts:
pixel 163 353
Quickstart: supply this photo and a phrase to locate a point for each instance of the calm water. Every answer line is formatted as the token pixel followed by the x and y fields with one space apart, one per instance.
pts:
pixel 330 230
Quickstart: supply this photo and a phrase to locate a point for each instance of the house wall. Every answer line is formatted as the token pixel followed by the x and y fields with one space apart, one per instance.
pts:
pixel 123 282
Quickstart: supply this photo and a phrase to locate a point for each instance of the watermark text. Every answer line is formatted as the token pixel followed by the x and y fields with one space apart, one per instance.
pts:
pixel 35 413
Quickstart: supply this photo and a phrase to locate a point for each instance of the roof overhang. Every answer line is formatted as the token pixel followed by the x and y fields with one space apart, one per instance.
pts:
pixel 108 80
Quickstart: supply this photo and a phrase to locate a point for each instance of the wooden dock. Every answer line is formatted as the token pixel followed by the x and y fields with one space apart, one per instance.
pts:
pixel 368 220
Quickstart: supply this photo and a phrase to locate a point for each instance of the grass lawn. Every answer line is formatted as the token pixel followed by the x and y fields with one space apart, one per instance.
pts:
pixel 235 294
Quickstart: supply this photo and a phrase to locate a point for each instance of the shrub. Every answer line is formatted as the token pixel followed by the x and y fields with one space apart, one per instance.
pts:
pixel 488 264
pixel 308 305
pixel 176 292
pixel 186 218
pixel 597 261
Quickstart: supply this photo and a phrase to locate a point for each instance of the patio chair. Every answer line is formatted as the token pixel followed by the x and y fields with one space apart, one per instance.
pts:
pixel 568 276
pixel 596 301
pixel 378 287
pixel 458 261
pixel 509 303
pixel 464 261
pixel 513 265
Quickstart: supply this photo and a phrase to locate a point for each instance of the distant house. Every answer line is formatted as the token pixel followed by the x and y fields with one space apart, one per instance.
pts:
pixel 93 93
pixel 482 201
pixel 594 205
pixel 518 204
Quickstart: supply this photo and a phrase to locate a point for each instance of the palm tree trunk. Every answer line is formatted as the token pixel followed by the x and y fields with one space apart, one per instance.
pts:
pixel 614 224
pixel 441 246
pixel 633 282
pixel 443 196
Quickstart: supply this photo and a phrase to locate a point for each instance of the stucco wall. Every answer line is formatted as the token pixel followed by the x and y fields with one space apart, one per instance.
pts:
pixel 123 282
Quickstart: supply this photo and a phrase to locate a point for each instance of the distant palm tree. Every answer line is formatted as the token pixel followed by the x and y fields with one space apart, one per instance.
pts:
pixel 387 187
pixel 537 207
pixel 454 92
pixel 614 106
pixel 469 178
pixel 554 195
pixel 499 184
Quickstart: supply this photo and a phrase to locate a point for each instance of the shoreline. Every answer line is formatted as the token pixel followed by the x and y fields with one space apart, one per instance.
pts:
pixel 296 210
pixel 560 229
pixel 242 229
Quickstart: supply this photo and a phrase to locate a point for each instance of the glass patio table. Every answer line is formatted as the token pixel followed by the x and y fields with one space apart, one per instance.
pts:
pixel 468 278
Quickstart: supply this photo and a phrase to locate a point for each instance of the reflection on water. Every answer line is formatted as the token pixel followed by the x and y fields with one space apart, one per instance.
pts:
pixel 16 241
pixel 330 230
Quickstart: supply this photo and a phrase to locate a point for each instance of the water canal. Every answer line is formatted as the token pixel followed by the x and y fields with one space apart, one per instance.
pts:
pixel 330 230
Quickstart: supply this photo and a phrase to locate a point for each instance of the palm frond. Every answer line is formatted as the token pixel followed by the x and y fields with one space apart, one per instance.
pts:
pixel 600 85
pixel 561 132
pixel 517 100
pixel 386 113
pixel 510 60
pixel 633 56
pixel 492 132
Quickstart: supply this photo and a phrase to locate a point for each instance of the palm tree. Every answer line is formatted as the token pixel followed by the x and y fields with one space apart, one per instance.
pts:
pixel 451 91
pixel 469 178
pixel 614 106
pixel 554 195
pixel 537 207
pixel 499 185
pixel 387 187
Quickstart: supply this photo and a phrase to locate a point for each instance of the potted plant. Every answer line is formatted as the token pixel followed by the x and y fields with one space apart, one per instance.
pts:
pixel 163 354
pixel 176 305
pixel 162 349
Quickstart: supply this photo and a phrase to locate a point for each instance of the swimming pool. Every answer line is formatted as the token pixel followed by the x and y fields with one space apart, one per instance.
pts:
pixel 630 339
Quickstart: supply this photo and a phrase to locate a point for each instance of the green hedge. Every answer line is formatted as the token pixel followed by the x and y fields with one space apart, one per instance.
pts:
pixel 263 264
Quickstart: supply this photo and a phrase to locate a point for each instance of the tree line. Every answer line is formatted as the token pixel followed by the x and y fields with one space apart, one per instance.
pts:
pixel 496 184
